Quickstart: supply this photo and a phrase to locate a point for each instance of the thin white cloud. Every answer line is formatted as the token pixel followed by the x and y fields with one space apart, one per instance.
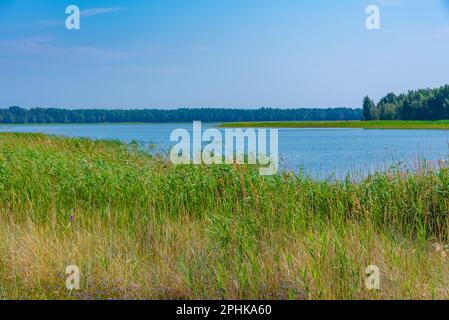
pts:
pixel 98 11
pixel 91 12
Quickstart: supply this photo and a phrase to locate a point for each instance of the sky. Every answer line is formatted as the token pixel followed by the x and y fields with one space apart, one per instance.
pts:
pixel 218 53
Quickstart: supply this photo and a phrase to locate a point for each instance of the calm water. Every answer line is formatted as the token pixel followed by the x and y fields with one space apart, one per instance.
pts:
pixel 318 152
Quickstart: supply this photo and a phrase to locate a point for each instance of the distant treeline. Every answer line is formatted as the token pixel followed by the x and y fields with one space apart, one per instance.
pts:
pixel 425 104
pixel 14 115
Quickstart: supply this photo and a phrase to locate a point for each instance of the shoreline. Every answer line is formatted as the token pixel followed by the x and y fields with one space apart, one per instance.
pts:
pixel 392 125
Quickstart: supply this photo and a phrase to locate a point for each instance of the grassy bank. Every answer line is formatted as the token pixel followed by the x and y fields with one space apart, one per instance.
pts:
pixel 437 125
pixel 138 227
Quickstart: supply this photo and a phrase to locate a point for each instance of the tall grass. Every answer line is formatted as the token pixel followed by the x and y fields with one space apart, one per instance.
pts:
pixel 141 228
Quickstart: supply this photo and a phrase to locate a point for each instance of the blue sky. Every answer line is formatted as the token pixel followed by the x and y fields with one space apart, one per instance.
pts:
pixel 218 53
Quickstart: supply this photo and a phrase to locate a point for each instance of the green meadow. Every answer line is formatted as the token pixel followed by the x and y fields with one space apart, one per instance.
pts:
pixel 382 124
pixel 140 228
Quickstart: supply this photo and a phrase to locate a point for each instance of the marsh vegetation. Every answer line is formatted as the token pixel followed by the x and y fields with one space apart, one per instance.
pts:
pixel 138 227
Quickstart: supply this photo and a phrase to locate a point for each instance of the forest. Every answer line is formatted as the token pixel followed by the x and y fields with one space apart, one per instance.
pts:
pixel 423 104
pixel 18 115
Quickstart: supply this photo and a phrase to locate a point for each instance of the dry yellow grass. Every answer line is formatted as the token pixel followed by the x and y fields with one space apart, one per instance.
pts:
pixel 180 262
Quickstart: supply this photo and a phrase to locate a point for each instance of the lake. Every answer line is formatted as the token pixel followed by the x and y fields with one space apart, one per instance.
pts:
pixel 321 153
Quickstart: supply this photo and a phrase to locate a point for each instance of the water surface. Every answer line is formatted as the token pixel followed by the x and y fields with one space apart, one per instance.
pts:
pixel 321 153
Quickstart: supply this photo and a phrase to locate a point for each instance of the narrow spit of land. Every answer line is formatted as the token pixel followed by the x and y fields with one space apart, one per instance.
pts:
pixel 408 125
